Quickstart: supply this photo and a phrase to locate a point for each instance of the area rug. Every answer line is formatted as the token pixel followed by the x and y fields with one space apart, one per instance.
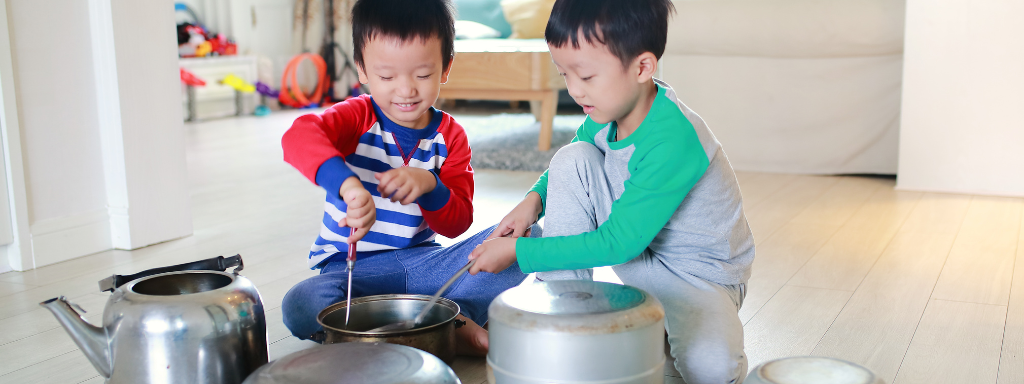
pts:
pixel 508 141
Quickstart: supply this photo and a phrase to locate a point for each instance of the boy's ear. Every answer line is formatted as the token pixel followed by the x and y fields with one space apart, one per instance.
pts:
pixel 646 66
pixel 444 75
pixel 363 79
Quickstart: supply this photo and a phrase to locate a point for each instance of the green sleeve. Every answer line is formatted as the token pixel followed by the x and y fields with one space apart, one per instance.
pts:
pixel 661 180
pixel 584 133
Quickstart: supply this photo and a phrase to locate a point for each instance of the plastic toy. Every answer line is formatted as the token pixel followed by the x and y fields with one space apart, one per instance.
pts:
pixel 191 81
pixel 291 95
pixel 238 84
pixel 204 49
pixel 265 90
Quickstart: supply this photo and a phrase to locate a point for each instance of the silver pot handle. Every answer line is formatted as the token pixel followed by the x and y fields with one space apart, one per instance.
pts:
pixel 318 336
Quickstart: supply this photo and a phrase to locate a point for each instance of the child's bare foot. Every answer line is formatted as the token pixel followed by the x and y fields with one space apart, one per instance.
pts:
pixel 470 339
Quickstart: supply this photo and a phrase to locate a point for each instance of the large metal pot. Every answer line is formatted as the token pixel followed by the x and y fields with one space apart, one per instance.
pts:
pixel 576 331
pixel 436 335
pixel 356 363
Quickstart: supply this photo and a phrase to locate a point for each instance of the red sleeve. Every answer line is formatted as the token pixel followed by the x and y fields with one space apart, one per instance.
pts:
pixel 457 174
pixel 315 138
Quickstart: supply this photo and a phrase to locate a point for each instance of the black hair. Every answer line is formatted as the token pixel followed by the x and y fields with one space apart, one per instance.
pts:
pixel 404 20
pixel 628 27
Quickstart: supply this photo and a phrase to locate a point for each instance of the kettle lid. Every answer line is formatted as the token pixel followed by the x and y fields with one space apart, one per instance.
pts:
pixel 356 363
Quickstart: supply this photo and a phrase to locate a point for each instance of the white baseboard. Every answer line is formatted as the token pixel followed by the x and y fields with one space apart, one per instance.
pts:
pixel 5 266
pixel 65 238
pixel 959 191
pixel 120 228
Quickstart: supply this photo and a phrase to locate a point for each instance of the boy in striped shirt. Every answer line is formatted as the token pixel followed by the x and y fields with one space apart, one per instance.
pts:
pixel 396 171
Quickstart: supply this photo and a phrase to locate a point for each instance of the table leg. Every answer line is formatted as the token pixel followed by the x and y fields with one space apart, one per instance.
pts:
pixel 547 119
pixel 535 108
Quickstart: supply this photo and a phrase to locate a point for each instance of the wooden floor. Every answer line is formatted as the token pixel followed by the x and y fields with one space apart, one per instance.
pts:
pixel 919 287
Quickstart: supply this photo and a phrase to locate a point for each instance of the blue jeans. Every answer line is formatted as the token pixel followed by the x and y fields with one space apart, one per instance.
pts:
pixel 419 270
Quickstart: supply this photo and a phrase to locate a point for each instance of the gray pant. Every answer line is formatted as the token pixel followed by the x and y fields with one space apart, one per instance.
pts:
pixel 705 334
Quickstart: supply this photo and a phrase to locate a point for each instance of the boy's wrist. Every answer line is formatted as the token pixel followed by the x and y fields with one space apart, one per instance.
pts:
pixel 436 196
pixel 536 203
pixel 427 179
pixel 349 184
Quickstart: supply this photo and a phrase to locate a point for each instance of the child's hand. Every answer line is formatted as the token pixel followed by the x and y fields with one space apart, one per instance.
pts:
pixel 517 223
pixel 361 213
pixel 405 184
pixel 494 255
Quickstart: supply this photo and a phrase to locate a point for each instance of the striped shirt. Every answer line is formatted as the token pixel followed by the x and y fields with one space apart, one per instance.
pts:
pixel 351 139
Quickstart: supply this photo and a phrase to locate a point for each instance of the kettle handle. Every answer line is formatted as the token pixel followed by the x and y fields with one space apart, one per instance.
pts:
pixel 219 263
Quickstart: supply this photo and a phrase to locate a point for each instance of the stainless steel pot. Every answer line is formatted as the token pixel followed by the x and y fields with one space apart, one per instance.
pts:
pixel 356 363
pixel 195 325
pixel 578 332
pixel 811 370
pixel 436 335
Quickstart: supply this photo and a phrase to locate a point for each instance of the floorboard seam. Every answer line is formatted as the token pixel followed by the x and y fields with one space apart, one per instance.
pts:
pixel 936 283
pixel 40 362
pixel 1006 319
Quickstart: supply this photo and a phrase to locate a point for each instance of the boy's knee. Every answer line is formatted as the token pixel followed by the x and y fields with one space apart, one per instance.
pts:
pixel 573 154
pixel 299 309
pixel 704 363
pixel 536 231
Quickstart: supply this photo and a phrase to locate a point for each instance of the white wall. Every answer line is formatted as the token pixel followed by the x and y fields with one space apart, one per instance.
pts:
pixel 96 125
pixel 152 132
pixel 962 126
pixel 12 251
pixel 60 133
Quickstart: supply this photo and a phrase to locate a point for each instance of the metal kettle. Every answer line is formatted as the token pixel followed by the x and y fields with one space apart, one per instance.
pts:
pixel 188 323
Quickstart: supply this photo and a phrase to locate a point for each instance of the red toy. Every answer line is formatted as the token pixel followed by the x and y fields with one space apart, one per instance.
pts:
pixel 191 79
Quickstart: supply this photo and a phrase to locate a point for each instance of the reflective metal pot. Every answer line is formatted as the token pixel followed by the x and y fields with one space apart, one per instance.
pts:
pixel 576 331
pixel 436 335
pixel 811 370
pixel 356 363
pixel 192 326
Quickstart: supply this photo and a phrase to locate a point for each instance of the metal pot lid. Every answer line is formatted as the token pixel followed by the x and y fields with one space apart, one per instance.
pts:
pixel 356 363
pixel 812 370
pixel 573 297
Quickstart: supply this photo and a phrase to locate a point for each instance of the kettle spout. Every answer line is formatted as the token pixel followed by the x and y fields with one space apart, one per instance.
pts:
pixel 91 339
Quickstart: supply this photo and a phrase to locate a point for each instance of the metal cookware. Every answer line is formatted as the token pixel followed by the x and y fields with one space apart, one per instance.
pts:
pixel 410 324
pixel 811 370
pixel 435 335
pixel 356 363
pixel 189 323
pixel 576 331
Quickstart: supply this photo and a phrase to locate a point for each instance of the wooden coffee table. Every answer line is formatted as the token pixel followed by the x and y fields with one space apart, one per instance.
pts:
pixel 507 69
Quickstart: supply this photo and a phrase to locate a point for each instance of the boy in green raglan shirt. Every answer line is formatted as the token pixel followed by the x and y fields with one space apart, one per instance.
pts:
pixel 644 187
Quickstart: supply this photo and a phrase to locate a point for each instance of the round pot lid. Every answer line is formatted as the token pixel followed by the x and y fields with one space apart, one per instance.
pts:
pixel 573 297
pixel 812 370
pixel 356 363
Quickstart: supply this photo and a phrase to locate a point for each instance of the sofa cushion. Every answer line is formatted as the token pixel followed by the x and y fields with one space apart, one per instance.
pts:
pixel 529 18
pixel 486 12
pixel 787 28
pixel 465 29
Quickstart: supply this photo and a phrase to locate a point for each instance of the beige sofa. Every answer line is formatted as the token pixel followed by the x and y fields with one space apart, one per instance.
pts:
pixel 801 86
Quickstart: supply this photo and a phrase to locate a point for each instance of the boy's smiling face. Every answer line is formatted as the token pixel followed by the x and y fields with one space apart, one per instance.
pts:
pixel 597 80
pixel 404 77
